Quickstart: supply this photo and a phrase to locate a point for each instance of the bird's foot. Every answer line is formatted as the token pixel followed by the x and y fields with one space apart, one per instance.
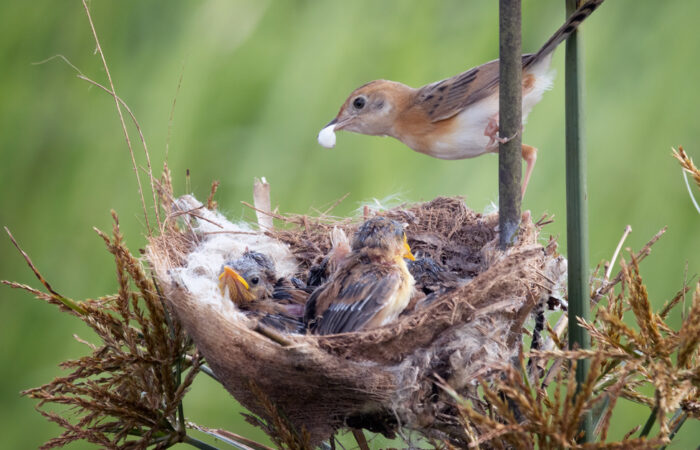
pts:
pixel 491 132
pixel 505 140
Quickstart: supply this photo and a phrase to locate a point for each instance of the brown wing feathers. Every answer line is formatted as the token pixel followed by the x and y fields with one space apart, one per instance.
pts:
pixel 448 97
pixel 351 301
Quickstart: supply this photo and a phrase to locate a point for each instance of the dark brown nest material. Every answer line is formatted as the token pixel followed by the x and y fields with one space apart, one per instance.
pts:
pixel 384 379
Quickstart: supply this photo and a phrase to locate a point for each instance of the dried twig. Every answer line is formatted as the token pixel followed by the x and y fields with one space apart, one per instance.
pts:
pixel 121 117
pixel 262 202
pixel 211 203
pixel 688 168
pixel 172 114
pixel 149 170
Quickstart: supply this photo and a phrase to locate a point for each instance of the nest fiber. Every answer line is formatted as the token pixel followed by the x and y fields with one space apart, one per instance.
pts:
pixel 385 379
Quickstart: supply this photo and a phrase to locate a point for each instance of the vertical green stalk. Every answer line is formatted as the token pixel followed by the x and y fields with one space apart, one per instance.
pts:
pixel 577 210
pixel 510 120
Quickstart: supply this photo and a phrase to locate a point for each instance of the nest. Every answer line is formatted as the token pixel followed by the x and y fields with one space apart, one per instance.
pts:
pixel 384 379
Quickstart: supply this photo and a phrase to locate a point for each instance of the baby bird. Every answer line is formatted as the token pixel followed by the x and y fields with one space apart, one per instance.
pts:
pixel 371 286
pixel 340 248
pixel 252 285
pixel 430 276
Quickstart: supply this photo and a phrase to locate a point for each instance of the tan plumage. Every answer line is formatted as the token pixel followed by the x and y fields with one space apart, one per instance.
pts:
pixel 370 288
pixel 455 118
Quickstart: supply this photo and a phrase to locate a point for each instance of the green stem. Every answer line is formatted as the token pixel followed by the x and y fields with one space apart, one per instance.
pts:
pixel 599 411
pixel 677 427
pixel 650 422
pixel 577 212
pixel 198 444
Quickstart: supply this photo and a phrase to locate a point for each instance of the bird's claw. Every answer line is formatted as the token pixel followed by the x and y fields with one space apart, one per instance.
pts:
pixel 505 140
pixel 491 132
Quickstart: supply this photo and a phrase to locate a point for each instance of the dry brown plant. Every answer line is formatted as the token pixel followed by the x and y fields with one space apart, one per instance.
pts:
pixel 688 168
pixel 128 392
pixel 523 411
pixel 687 164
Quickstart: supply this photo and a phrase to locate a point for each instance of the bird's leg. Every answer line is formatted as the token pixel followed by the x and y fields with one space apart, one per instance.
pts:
pixel 529 154
pixel 491 132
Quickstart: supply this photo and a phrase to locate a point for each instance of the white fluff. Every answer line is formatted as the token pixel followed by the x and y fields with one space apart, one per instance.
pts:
pixel 221 241
pixel 326 137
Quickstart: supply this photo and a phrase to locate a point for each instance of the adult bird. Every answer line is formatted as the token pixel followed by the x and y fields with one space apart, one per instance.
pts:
pixel 455 118
pixel 372 285
pixel 251 283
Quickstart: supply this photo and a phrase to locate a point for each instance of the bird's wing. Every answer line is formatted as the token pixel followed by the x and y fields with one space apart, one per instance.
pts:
pixel 360 297
pixel 444 99
pixel 318 274
pixel 282 323
pixel 288 293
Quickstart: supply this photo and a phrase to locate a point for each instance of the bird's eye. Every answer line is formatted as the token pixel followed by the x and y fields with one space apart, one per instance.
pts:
pixel 254 280
pixel 359 103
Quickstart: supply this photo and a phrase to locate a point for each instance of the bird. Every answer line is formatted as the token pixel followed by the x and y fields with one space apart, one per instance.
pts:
pixel 251 283
pixel 371 286
pixel 455 118
pixel 432 282
pixel 430 276
pixel 340 248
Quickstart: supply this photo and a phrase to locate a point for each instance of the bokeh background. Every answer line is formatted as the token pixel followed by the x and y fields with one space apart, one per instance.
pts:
pixel 259 80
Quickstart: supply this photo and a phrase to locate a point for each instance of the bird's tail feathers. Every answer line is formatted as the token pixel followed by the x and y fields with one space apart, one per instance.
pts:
pixel 565 30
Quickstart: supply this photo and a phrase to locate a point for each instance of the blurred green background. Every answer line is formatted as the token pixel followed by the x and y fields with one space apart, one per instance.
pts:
pixel 260 79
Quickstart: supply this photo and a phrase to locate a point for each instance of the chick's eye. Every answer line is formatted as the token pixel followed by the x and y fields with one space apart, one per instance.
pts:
pixel 254 280
pixel 359 103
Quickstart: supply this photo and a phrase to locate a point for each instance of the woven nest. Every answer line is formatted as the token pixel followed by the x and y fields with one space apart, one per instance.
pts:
pixel 385 379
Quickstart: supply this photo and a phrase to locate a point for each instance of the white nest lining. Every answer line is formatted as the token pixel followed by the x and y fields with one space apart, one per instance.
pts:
pixel 221 241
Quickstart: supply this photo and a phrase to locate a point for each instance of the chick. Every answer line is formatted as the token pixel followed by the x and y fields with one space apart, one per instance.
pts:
pixel 340 248
pixel 252 284
pixel 430 276
pixel 371 286
pixel 432 281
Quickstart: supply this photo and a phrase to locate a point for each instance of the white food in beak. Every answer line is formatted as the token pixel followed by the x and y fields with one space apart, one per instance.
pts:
pixel 327 136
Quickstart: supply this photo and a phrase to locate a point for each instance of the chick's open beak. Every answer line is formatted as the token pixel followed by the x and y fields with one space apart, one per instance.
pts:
pixel 407 249
pixel 238 288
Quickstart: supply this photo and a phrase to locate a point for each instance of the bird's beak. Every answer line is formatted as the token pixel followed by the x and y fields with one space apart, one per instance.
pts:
pixel 340 124
pixel 237 286
pixel 407 249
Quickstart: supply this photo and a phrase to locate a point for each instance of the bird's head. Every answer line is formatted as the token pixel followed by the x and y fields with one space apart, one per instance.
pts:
pixel 248 278
pixel 370 109
pixel 384 234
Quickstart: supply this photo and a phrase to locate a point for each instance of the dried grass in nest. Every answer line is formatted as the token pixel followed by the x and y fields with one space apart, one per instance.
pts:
pixel 383 379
